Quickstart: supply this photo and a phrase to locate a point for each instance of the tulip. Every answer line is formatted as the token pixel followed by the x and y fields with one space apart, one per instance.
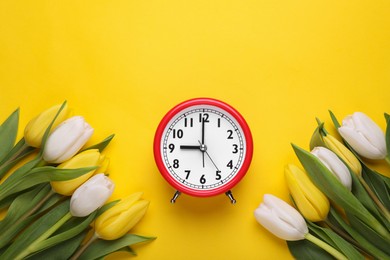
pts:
pixel 281 219
pixel 334 164
pixel 344 153
pixel 91 195
pixel 310 201
pixel 36 128
pixel 364 136
pixel 285 222
pixel 86 158
pixel 67 139
pixel 123 216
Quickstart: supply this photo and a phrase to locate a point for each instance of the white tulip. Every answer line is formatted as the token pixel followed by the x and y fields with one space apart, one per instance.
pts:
pixel 281 219
pixel 364 135
pixel 67 139
pixel 91 195
pixel 334 164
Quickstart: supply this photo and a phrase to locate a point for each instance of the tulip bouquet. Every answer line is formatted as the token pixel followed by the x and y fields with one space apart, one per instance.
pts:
pixel 341 205
pixel 54 192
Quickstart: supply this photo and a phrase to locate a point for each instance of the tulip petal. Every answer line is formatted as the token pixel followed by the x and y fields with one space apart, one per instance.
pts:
pixel 334 164
pixel 86 158
pixel 361 145
pixel 344 153
pixel 364 135
pixel 311 202
pixel 67 139
pixel 91 195
pixel 365 125
pixel 281 219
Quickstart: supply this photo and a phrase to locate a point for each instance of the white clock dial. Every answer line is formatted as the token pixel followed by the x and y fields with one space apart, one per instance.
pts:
pixel 203 147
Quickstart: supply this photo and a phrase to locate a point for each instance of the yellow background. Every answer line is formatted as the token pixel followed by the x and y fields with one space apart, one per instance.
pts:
pixel 123 64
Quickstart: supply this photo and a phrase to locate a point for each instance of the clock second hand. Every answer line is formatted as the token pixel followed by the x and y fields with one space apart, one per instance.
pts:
pixel 203 148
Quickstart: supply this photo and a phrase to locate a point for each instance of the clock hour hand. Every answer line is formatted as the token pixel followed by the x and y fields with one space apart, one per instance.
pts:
pixel 190 147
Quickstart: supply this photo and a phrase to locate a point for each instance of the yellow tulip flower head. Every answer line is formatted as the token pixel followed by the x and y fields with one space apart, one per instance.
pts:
pixel 311 202
pixel 344 153
pixel 87 158
pixel 36 128
pixel 123 216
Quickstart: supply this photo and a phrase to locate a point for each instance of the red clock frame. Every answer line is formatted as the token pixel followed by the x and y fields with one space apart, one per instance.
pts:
pixel 177 110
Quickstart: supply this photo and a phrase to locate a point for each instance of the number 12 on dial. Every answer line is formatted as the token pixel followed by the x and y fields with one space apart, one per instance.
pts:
pixel 203 147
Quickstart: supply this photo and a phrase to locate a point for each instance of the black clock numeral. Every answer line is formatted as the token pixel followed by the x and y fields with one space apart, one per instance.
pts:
pixel 202 179
pixel 204 117
pixel 171 147
pixel 235 148
pixel 187 173
pixel 230 164
pixel 230 134
pixel 219 122
pixel 177 133
pixel 175 163
pixel 218 176
pixel 188 122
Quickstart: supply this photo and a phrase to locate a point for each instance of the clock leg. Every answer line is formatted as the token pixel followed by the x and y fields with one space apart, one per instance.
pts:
pixel 230 195
pixel 175 196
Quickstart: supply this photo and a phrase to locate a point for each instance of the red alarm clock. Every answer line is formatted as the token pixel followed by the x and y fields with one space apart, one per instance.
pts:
pixel 203 147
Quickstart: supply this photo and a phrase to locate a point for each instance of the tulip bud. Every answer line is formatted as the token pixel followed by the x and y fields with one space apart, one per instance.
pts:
pixel 281 219
pixel 123 216
pixel 35 129
pixel 344 153
pixel 91 195
pixel 86 158
pixel 67 139
pixel 311 202
pixel 334 164
pixel 364 136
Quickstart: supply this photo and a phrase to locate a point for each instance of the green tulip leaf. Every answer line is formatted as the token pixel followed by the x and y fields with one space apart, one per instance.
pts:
pixel 61 251
pixel 70 229
pixel 336 241
pixel 304 249
pixel 48 129
pixel 25 243
pixel 101 248
pixel 378 183
pixel 334 120
pixel 18 216
pixel 8 132
pixel 18 152
pixel 369 233
pixel 102 145
pixel 362 195
pixel 316 138
pixel 39 175
pixel 334 190
pixel 362 240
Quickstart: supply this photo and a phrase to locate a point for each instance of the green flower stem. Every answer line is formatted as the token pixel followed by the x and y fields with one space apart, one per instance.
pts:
pixel 383 210
pixel 32 247
pixel 81 250
pixel 14 156
pixel 325 246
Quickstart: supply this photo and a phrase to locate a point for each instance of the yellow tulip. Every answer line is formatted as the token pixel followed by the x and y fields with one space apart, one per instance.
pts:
pixel 123 216
pixel 36 128
pixel 87 158
pixel 344 153
pixel 311 202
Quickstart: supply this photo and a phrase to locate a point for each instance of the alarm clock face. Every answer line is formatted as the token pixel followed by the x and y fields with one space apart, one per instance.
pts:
pixel 203 147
